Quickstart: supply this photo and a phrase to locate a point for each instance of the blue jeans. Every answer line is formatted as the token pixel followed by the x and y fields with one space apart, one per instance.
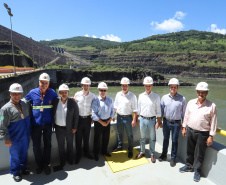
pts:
pixel 42 158
pixel 121 123
pixel 175 130
pixel 149 125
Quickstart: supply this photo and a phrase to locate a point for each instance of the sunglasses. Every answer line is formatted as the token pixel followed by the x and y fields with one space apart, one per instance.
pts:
pixel 103 90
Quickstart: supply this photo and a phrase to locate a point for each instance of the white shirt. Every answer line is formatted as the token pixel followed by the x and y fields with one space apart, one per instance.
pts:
pixel 84 103
pixel 125 104
pixel 61 114
pixel 149 105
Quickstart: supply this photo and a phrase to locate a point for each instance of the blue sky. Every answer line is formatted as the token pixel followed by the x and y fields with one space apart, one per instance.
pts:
pixel 118 20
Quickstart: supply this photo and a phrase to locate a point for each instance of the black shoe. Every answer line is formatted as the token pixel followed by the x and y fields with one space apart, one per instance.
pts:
pixel 173 162
pixel 117 149
pixel 17 177
pixel 39 169
pixel 162 158
pixel 25 171
pixel 96 158
pixel 130 154
pixel 88 156
pixel 107 154
pixel 47 170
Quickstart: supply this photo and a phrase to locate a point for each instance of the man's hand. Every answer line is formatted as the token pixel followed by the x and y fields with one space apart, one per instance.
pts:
pixel 158 124
pixel 73 131
pixel 73 98
pixel 8 143
pixel 113 119
pixel 209 141
pixel 133 123
pixel 184 132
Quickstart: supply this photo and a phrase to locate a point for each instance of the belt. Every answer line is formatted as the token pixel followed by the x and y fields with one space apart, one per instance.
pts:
pixel 173 121
pixel 148 117
pixel 198 130
pixel 124 116
pixel 85 116
pixel 105 119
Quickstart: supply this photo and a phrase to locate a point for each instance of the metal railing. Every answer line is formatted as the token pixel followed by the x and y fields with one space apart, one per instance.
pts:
pixel 221 132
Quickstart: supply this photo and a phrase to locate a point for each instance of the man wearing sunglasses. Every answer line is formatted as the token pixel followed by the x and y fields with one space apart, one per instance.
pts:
pixel 173 107
pixel 200 123
pixel 102 114
pixel 125 105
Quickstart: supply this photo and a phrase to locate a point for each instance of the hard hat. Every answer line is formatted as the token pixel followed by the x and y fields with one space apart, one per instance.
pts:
pixel 17 88
pixel 102 85
pixel 125 80
pixel 63 87
pixel 86 81
pixel 173 81
pixel 44 77
pixel 148 80
pixel 202 86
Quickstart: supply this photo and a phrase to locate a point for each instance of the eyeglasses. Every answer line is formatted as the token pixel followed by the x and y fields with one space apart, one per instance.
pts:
pixel 103 90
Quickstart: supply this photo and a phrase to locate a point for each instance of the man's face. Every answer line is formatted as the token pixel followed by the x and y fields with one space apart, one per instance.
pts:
pixel 201 95
pixel 63 94
pixel 173 89
pixel 43 85
pixel 85 87
pixel 15 97
pixel 125 87
pixel 102 93
pixel 148 87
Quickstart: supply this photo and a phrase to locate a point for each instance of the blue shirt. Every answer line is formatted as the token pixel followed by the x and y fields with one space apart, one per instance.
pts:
pixel 173 108
pixel 102 109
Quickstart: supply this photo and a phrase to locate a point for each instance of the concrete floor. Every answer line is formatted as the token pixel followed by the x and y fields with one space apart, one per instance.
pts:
pixel 98 173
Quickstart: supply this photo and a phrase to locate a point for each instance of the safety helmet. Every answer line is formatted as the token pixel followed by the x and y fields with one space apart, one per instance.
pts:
pixel 148 80
pixel 63 87
pixel 86 81
pixel 202 86
pixel 44 77
pixel 173 81
pixel 125 80
pixel 16 88
pixel 102 85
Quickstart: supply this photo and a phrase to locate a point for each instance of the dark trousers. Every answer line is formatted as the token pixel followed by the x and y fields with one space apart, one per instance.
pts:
pixel 175 130
pixel 82 134
pixel 100 130
pixel 42 158
pixel 196 140
pixel 62 134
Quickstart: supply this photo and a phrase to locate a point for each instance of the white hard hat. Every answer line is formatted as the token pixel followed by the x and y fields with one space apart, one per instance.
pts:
pixel 17 88
pixel 148 80
pixel 63 87
pixel 125 80
pixel 86 81
pixel 202 86
pixel 44 76
pixel 173 81
pixel 102 85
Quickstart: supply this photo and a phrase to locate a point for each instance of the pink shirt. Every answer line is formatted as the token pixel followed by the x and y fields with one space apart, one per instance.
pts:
pixel 201 117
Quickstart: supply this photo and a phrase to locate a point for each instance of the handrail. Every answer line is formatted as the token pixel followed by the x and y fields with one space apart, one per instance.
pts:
pixel 221 132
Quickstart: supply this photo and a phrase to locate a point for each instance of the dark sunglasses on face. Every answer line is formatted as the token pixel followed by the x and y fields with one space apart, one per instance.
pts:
pixel 103 90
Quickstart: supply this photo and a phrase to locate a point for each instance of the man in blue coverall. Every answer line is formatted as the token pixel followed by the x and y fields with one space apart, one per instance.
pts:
pixel 15 128
pixel 41 119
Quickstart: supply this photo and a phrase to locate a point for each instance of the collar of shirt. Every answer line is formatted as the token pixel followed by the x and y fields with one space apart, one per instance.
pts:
pixel 173 96
pixel 101 99
pixel 127 94
pixel 203 103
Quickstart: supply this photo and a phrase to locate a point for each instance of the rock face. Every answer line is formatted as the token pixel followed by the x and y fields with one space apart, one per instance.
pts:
pixel 38 52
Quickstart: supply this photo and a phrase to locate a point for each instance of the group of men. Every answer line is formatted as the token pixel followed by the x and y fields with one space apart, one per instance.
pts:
pixel 74 116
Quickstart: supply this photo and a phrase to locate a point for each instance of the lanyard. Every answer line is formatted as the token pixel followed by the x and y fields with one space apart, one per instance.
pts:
pixel 20 110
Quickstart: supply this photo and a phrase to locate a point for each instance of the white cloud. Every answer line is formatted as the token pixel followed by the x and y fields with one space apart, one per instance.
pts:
pixel 86 35
pixel 48 40
pixel 217 30
pixel 171 24
pixel 111 37
pixel 94 36
pixel 179 15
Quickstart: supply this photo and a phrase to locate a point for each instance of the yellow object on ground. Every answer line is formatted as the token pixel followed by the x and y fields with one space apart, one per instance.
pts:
pixel 119 160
